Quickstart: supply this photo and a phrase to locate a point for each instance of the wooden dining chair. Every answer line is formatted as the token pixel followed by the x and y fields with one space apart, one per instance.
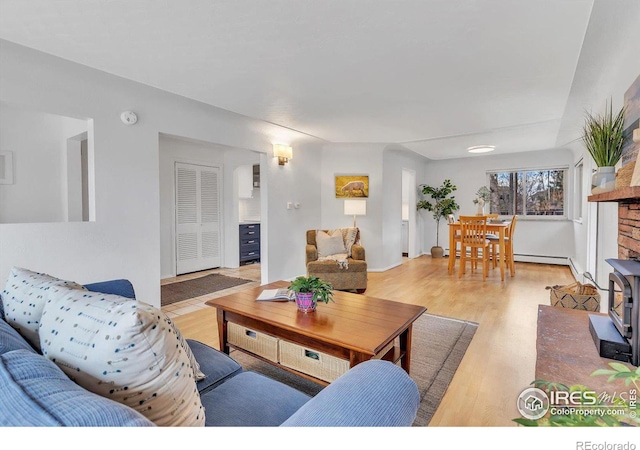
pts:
pixel 508 243
pixel 473 238
pixel 451 219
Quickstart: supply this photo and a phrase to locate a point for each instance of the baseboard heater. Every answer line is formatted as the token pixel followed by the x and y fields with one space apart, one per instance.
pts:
pixel 540 259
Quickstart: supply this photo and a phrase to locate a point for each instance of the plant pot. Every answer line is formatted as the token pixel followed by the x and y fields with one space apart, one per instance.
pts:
pixel 603 180
pixel 305 303
pixel 437 252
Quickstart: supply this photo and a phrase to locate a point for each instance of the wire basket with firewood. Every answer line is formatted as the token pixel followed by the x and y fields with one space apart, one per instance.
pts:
pixel 575 296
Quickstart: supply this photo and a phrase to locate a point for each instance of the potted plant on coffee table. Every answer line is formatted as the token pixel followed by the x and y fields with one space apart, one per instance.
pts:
pixel 441 206
pixel 309 291
pixel 603 136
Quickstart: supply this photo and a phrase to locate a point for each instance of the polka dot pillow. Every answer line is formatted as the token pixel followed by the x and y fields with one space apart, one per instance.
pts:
pixel 124 350
pixel 24 296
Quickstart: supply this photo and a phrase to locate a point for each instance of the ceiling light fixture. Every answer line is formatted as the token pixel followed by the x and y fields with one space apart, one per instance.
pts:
pixel 481 149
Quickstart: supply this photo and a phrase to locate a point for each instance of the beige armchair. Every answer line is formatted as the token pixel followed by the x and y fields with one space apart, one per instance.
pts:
pixel 353 277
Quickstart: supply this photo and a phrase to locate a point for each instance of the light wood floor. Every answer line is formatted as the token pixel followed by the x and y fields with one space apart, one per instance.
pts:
pixel 499 363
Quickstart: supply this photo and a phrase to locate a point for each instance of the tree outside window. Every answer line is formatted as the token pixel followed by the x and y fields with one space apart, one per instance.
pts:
pixel 537 192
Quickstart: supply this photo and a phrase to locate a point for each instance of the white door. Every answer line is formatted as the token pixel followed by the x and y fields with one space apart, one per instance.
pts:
pixel 197 218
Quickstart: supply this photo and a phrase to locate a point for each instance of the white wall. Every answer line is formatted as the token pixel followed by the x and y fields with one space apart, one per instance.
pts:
pixel 38 141
pixel 124 239
pixel 395 161
pixel 535 238
pixel 381 228
pixel 608 65
pixel 298 181
pixel 355 159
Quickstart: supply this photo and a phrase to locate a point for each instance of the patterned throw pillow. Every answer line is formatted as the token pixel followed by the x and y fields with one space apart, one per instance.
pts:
pixel 124 350
pixel 24 296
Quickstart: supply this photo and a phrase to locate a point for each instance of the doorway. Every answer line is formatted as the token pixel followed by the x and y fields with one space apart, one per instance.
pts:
pixel 197 216
pixel 408 213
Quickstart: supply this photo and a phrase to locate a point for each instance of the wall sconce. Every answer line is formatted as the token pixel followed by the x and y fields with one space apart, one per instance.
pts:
pixel 283 152
pixel 636 135
pixel 355 208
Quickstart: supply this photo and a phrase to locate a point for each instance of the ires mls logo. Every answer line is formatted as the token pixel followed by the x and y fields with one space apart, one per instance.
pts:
pixel 575 398
pixel 533 403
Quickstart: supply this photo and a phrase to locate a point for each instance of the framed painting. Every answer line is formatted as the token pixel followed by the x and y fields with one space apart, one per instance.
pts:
pixel 631 148
pixel 349 186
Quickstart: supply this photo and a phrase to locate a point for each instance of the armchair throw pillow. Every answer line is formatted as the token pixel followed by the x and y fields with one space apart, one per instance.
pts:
pixel 331 243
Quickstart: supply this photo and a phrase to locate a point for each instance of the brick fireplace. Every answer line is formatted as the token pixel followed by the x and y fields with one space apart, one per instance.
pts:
pixel 628 200
pixel 629 229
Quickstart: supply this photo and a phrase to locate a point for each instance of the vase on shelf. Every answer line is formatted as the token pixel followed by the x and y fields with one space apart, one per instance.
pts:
pixel 603 180
pixel 305 302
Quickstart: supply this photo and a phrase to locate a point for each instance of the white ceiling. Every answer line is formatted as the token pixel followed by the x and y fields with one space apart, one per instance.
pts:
pixel 434 75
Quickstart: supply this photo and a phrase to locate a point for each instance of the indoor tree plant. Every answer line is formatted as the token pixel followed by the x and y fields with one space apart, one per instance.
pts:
pixel 603 135
pixel 441 205
pixel 309 291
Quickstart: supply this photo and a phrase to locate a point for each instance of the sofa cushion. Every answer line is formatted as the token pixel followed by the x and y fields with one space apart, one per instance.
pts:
pixel 125 350
pixel 250 399
pixel 35 392
pixel 10 339
pixel 331 243
pixel 24 296
pixel 215 365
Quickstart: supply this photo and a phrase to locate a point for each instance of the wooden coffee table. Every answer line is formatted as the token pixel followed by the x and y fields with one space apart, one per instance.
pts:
pixel 321 345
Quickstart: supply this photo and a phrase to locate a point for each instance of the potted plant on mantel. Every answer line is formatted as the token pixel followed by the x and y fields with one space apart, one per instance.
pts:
pixel 309 291
pixel 603 135
pixel 441 205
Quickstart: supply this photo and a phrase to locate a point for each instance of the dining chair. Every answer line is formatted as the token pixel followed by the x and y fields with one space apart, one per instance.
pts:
pixel 473 237
pixel 491 235
pixel 456 244
pixel 508 243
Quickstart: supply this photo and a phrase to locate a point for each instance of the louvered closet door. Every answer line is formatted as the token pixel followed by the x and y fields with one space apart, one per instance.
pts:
pixel 197 218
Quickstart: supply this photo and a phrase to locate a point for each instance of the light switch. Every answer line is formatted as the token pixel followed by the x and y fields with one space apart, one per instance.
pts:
pixel 289 205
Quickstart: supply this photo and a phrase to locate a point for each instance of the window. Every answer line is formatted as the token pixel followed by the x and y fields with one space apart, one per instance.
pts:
pixel 534 193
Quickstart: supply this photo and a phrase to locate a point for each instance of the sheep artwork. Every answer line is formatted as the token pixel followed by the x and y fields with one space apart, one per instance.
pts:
pixel 350 189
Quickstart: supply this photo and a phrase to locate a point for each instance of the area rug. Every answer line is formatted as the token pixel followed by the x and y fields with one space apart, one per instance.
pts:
pixel 184 290
pixel 439 343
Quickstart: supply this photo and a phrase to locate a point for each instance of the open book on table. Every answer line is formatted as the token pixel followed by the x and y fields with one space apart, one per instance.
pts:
pixel 276 295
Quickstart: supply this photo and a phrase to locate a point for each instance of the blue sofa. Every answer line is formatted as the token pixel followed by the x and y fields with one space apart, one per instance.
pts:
pixel 35 392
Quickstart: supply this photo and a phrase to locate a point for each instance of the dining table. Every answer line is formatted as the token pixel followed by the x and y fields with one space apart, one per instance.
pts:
pixel 497 227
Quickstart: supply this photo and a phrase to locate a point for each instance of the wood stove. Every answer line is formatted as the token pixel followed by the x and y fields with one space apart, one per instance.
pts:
pixel 617 335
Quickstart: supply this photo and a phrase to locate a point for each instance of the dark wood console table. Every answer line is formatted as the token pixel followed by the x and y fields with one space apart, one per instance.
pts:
pixel 567 353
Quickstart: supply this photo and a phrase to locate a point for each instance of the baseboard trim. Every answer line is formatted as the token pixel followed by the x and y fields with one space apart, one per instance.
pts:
pixel 384 269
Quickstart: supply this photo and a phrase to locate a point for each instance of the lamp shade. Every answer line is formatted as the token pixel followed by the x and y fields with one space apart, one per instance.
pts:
pixel 282 151
pixel 355 207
